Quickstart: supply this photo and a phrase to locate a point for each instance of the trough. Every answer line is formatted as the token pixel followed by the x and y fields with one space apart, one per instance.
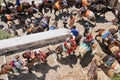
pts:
pixel 39 39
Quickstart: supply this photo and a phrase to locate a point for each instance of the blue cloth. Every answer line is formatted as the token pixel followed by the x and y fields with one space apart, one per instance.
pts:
pixel 52 28
pixel 18 2
pixel 85 45
pixel 106 35
pixel 18 64
pixel 43 25
pixel 110 61
pixel 75 32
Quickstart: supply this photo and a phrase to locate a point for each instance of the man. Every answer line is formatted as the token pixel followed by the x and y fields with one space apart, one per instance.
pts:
pixel 18 7
pixel 70 46
pixel 72 21
pixel 54 26
pixel 89 39
pixel 107 37
pixel 64 19
pixel 88 29
pixel 18 65
pixel 75 32
pixel 17 3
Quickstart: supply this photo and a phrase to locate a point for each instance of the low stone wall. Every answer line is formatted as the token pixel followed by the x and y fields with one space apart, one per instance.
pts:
pixel 39 39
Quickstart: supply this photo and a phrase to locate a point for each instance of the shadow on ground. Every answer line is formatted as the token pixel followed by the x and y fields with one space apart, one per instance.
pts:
pixel 82 22
pixel 86 59
pixel 23 76
pixel 104 48
pixel 101 19
pixel 104 69
pixel 68 60
pixel 40 68
pixel 44 69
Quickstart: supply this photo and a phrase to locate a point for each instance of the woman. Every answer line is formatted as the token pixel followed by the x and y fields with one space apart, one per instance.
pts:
pixel 76 34
pixel 89 39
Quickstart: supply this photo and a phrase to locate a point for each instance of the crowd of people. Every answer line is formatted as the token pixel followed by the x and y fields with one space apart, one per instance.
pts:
pixel 30 25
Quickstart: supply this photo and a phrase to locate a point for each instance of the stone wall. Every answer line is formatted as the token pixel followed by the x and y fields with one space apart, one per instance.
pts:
pixel 39 39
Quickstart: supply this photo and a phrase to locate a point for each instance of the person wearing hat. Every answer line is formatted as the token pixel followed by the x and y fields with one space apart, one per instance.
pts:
pixel 18 64
pixel 87 28
pixel 88 39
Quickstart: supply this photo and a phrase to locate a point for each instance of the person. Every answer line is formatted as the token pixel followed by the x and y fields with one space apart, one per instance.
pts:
pixel 89 39
pixel 74 31
pixel 18 65
pixel 54 26
pixel 40 55
pixel 85 3
pixel 88 29
pixel 107 36
pixel 64 19
pixel 92 72
pixel 44 22
pixel 18 7
pixel 72 21
pixel 76 34
pixel 70 46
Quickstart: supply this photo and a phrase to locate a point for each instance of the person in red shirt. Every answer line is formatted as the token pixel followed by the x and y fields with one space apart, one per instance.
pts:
pixel 70 45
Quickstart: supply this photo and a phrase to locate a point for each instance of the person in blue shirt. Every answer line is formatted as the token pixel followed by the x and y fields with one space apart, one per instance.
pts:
pixel 18 64
pixel 107 36
pixel 17 3
pixel 75 33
